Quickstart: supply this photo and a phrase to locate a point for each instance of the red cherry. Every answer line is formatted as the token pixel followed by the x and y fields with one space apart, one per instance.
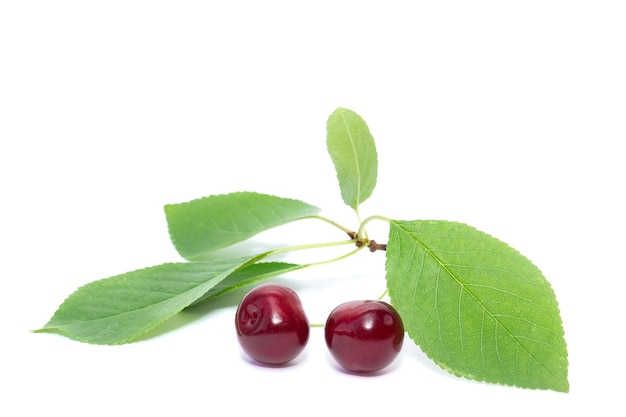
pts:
pixel 365 335
pixel 272 327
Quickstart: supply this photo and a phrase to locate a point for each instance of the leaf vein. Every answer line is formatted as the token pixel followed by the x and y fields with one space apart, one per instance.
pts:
pixel 356 159
pixel 464 287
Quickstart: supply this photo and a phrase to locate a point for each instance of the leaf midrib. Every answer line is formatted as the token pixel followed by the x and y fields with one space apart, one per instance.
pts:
pixel 356 159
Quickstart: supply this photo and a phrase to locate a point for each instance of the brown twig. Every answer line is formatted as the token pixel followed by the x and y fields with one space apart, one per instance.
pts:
pixel 376 246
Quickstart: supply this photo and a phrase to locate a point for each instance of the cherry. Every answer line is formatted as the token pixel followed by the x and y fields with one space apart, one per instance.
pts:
pixel 364 335
pixel 272 327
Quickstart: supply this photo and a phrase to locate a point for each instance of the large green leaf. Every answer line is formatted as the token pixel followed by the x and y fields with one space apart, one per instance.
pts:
pixel 352 150
pixel 122 308
pixel 202 226
pixel 476 306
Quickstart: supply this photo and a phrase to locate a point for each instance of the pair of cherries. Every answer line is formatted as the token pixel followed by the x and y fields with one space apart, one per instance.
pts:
pixel 362 336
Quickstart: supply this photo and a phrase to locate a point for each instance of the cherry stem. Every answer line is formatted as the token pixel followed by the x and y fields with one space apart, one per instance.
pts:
pixel 356 238
pixel 369 219
pixel 344 256
pixel 307 246
pixel 362 238
pixel 310 246
pixel 327 220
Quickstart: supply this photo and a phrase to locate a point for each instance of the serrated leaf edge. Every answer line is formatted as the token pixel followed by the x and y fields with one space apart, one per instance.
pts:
pixel 60 330
pixel 176 241
pixel 471 376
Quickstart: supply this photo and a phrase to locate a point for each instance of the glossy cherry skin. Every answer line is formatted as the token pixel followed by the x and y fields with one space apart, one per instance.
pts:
pixel 364 335
pixel 272 327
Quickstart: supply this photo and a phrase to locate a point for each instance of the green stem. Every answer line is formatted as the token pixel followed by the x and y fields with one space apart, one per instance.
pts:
pixel 278 251
pixel 383 294
pixel 307 246
pixel 335 224
pixel 357 239
pixel 358 215
pixel 339 258
pixel 362 233
pixel 310 246
pixel 369 219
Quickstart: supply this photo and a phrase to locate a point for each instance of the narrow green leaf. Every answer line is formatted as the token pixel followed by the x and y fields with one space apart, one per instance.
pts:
pixel 122 308
pixel 202 226
pixel 476 306
pixel 248 275
pixel 352 150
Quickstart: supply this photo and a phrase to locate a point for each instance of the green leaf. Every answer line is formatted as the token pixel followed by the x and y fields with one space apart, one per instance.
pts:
pixel 248 275
pixel 352 150
pixel 476 306
pixel 122 308
pixel 202 226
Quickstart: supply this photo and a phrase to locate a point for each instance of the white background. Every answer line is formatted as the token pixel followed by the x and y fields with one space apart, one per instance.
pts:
pixel 504 115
